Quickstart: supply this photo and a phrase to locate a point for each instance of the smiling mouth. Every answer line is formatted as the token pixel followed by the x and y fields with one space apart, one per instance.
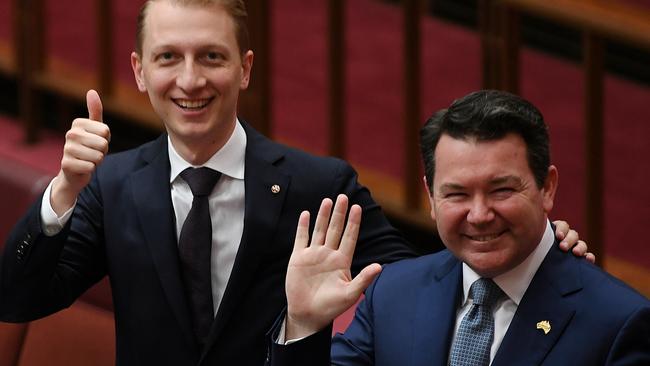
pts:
pixel 192 104
pixel 484 237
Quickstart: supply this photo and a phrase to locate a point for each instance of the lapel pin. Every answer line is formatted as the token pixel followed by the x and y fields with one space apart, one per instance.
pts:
pixel 544 325
pixel 275 189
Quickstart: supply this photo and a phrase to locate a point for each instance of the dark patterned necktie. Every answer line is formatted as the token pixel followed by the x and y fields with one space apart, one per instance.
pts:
pixel 195 247
pixel 476 331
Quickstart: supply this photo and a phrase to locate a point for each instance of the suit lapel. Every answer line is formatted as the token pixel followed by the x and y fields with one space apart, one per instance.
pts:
pixel 151 193
pixel 544 300
pixel 435 314
pixel 262 211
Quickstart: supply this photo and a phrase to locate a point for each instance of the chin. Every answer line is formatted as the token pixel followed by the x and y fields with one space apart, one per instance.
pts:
pixel 485 264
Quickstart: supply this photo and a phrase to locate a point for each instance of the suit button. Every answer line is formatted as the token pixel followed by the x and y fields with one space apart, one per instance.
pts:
pixel 25 243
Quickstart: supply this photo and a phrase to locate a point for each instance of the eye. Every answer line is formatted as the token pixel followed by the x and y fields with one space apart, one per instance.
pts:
pixel 165 57
pixel 213 56
pixel 454 195
pixel 503 191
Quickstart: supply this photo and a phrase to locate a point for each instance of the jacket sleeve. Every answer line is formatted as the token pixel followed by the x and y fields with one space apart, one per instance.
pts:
pixel 632 344
pixel 378 242
pixel 313 350
pixel 40 275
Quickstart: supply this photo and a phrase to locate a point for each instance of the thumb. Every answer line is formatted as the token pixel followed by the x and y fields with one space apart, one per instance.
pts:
pixel 363 280
pixel 94 104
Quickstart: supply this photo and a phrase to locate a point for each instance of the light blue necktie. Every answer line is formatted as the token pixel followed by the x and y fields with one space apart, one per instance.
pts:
pixel 476 331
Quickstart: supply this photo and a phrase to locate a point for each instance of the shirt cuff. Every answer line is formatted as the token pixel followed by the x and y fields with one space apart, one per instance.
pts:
pixel 282 332
pixel 51 224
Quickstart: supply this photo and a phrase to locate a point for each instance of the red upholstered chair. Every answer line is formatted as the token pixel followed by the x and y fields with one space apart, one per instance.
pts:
pixel 342 322
pixel 19 187
pixel 81 335
pixel 11 342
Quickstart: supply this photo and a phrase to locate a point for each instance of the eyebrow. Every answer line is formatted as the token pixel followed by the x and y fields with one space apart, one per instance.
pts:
pixel 506 179
pixel 451 187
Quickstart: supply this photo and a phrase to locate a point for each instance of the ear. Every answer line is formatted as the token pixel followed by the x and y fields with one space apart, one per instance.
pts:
pixel 549 189
pixel 428 188
pixel 247 65
pixel 136 65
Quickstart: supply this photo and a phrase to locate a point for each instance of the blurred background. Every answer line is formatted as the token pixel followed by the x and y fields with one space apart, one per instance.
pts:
pixel 354 79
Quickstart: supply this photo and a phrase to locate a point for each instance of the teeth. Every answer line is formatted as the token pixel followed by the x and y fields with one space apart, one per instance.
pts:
pixel 484 237
pixel 192 103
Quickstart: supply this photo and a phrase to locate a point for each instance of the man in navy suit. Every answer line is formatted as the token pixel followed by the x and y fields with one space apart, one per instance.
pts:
pixel 491 186
pixel 122 215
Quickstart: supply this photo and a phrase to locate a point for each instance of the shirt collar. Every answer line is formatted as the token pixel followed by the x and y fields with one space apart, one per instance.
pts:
pixel 515 281
pixel 229 160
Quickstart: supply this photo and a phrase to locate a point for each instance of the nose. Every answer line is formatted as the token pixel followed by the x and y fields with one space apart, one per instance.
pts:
pixel 480 211
pixel 190 77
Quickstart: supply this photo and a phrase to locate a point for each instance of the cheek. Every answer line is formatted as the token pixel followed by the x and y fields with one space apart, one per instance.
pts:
pixel 159 81
pixel 226 79
pixel 449 219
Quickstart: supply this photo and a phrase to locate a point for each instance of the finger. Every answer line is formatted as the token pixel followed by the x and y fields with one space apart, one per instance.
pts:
pixel 83 153
pixel 580 249
pixel 323 218
pixel 570 240
pixel 362 281
pixel 302 232
pixel 337 222
pixel 561 229
pixel 591 258
pixel 96 128
pixel 79 136
pixel 77 167
pixel 94 104
pixel 349 241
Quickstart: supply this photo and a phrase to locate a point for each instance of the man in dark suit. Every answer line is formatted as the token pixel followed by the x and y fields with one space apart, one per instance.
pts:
pixel 501 293
pixel 124 215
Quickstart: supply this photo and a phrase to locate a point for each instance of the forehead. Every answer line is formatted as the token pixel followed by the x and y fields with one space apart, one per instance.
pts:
pixel 176 23
pixel 461 160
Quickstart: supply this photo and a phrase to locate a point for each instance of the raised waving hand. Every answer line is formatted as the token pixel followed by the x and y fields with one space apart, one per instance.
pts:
pixel 319 284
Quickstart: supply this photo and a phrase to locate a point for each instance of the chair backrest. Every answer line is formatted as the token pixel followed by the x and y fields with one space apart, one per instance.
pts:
pixel 81 335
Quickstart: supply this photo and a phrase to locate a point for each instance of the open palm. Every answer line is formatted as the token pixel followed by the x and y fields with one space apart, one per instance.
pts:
pixel 319 285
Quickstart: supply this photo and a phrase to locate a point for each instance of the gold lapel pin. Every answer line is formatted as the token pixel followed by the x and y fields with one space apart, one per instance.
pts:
pixel 544 325
pixel 275 189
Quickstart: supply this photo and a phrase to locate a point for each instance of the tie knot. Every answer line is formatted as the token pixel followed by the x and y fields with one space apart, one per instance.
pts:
pixel 201 180
pixel 485 292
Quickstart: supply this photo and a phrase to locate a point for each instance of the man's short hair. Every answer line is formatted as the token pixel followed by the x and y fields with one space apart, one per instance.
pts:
pixel 488 115
pixel 235 8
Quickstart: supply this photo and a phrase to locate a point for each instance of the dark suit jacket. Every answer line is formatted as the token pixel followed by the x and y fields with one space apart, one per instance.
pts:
pixel 408 316
pixel 123 227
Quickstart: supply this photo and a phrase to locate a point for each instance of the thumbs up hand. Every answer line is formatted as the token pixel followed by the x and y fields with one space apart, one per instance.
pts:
pixel 86 144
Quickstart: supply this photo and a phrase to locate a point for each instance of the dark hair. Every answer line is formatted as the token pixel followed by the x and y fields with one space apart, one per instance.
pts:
pixel 488 115
pixel 235 8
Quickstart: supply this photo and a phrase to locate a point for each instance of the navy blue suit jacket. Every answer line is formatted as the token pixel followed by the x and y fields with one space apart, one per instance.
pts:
pixel 123 227
pixel 408 316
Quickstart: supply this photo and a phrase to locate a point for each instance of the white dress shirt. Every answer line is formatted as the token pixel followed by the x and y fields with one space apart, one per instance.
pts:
pixel 513 283
pixel 226 206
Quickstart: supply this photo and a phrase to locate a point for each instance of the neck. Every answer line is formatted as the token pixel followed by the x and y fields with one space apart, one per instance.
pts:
pixel 197 151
